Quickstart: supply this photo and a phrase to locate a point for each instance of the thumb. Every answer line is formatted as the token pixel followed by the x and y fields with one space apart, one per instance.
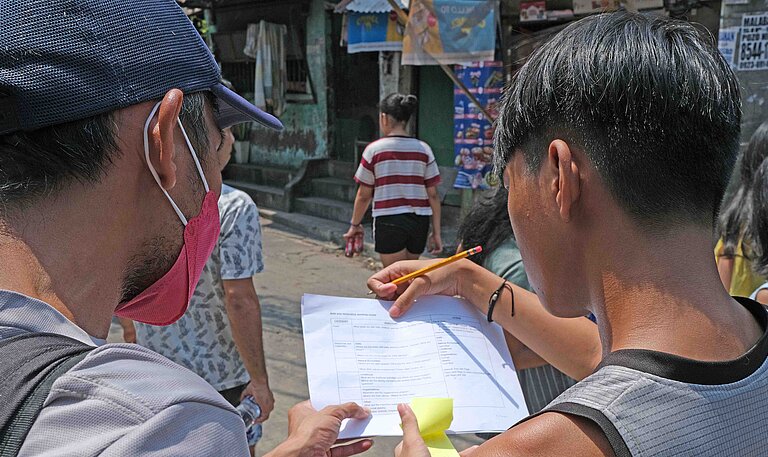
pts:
pixel 348 410
pixel 418 287
pixel 410 424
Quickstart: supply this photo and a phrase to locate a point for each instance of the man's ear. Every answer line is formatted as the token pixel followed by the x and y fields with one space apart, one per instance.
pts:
pixel 566 180
pixel 163 136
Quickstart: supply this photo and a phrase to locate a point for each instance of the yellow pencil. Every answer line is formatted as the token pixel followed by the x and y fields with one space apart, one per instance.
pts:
pixel 435 266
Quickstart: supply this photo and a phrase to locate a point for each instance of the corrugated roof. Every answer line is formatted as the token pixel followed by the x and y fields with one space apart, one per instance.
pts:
pixel 374 6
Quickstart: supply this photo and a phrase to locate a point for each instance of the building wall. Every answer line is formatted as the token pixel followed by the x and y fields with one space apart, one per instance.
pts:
pixel 306 132
pixel 436 113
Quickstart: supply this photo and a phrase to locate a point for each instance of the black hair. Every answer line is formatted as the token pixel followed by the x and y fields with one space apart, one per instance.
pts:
pixel 40 162
pixel 735 222
pixel 487 224
pixel 758 228
pixel 399 106
pixel 649 100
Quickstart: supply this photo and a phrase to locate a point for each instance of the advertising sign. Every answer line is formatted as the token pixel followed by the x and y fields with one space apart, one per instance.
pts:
pixel 726 43
pixel 533 11
pixel 373 32
pixel 753 46
pixel 450 32
pixel 473 133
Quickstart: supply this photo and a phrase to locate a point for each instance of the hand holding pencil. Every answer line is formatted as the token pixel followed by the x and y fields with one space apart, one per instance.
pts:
pixel 385 283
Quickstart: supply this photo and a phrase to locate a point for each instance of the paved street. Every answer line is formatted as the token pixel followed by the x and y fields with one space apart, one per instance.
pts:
pixel 295 266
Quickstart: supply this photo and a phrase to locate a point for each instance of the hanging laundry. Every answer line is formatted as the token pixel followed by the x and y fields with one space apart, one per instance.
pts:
pixel 265 42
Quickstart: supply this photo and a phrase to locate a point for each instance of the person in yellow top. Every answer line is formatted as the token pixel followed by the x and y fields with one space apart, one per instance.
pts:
pixel 760 230
pixel 734 253
pixel 736 270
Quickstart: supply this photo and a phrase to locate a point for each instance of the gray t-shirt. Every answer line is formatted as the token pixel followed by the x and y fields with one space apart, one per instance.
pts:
pixel 657 404
pixel 202 339
pixel 122 399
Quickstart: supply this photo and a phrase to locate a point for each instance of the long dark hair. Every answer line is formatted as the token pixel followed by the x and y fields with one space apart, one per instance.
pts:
pixel 486 225
pixel 759 228
pixel 735 223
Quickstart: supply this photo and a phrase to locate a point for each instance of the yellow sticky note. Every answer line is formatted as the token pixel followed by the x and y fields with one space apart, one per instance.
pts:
pixel 435 416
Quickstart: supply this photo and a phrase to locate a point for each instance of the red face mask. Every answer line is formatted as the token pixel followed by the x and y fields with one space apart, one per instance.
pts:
pixel 165 301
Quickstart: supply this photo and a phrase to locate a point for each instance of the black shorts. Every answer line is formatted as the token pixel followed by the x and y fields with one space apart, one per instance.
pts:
pixel 392 234
pixel 233 395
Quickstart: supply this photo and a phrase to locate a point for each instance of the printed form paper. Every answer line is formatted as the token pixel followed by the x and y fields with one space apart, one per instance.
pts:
pixel 443 347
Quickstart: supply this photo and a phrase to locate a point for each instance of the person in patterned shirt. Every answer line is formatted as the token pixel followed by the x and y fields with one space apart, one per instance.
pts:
pixel 219 337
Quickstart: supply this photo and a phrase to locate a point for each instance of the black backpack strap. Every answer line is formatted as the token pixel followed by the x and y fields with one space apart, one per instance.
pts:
pixel 31 364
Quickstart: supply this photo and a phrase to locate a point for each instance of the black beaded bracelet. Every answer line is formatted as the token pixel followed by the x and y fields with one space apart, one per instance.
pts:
pixel 495 297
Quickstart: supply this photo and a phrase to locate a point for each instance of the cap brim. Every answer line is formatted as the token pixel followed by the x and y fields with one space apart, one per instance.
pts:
pixel 234 109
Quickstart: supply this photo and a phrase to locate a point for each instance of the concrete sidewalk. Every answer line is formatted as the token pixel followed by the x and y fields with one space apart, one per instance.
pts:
pixel 330 231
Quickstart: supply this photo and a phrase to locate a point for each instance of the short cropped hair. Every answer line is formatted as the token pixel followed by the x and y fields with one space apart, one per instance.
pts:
pixel 649 100
pixel 37 163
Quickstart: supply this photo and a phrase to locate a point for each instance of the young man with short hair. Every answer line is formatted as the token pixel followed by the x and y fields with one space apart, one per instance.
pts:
pixel 616 141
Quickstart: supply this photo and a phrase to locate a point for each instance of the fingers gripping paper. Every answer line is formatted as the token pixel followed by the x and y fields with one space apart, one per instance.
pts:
pixel 434 416
pixel 442 348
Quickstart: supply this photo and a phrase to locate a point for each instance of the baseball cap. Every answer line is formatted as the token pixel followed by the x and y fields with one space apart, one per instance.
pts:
pixel 65 60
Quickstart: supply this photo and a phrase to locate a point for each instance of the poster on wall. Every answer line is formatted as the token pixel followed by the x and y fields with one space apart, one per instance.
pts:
pixel 472 132
pixel 368 32
pixel 726 43
pixel 450 32
pixel 533 11
pixel 753 43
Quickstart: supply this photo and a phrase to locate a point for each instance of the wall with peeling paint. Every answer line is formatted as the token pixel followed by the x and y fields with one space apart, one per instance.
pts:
pixel 306 132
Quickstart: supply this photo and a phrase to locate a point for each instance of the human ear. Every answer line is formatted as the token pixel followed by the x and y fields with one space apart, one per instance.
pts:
pixel 566 181
pixel 164 135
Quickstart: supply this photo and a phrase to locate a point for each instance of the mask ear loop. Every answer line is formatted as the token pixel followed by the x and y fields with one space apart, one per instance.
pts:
pixel 152 168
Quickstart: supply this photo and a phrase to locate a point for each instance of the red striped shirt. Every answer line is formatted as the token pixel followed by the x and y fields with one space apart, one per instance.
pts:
pixel 399 169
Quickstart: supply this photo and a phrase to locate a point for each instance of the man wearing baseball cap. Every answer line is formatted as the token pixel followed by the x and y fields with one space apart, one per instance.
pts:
pixel 110 149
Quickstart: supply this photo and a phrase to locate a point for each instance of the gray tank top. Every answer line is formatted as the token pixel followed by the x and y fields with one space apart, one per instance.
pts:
pixel 654 404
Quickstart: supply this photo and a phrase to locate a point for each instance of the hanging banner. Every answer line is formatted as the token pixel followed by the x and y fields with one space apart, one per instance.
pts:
pixel 473 133
pixel 753 43
pixel 450 32
pixel 368 32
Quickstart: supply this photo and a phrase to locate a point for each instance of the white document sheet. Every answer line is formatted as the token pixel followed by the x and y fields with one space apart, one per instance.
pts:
pixel 443 347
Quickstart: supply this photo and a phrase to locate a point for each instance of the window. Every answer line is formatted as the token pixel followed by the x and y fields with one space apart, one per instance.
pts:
pixel 232 22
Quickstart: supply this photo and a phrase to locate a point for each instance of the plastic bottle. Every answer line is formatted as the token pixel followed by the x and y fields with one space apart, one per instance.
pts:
pixel 359 243
pixel 349 247
pixel 250 411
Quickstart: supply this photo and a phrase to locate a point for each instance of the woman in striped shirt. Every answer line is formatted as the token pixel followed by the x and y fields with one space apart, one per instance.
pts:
pixel 398 173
